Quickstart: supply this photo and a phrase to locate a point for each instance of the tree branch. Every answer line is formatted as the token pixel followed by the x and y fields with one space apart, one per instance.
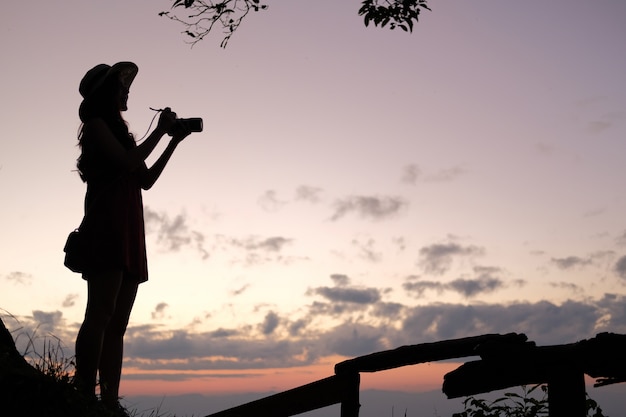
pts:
pixel 204 15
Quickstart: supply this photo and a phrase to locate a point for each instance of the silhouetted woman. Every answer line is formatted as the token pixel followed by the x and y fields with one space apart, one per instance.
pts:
pixel 113 166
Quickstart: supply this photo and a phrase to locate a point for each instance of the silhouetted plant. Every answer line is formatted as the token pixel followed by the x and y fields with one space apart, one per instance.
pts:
pixel 39 381
pixel 396 13
pixel 201 16
pixel 518 405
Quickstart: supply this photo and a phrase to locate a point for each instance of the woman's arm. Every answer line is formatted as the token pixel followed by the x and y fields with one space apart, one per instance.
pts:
pixel 128 160
pixel 148 176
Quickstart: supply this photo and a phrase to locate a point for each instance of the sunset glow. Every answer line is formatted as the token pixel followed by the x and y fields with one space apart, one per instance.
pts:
pixel 354 189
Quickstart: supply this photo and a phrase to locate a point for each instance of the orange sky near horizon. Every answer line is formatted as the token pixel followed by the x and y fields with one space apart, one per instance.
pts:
pixel 355 189
pixel 414 378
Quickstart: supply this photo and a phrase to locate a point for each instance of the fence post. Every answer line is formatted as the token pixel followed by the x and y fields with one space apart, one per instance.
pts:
pixel 350 399
pixel 566 393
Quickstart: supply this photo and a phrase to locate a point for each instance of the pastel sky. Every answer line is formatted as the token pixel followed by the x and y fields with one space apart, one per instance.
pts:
pixel 354 190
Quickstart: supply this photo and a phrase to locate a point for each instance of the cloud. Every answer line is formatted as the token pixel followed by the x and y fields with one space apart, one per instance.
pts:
pixel 445 175
pixel 400 243
pixel 568 286
pixel 417 289
pixel 437 258
pixel 620 267
pixel 411 173
pixel 40 333
pixel 224 333
pixel 340 279
pixel 261 346
pixel 152 348
pixel 570 262
pixel 342 299
pixel 354 339
pixel 70 300
pixel 183 376
pixel 603 118
pixel 606 121
pixel 544 322
pixel 485 281
pixel 388 310
pixel 270 202
pixel 297 327
pixel 308 193
pixel 472 287
pixel 48 322
pixel 274 244
pixel 259 250
pixel 240 290
pixel 270 323
pixel 594 212
pixel 174 234
pixel 159 311
pixel 366 250
pixel 21 278
pixel 255 243
pixel 349 295
pixel 353 321
pixel 378 325
pixel 370 207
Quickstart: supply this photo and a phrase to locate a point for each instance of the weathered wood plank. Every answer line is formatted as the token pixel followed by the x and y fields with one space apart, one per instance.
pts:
pixel 425 352
pixel 336 389
pixel 566 393
pixel 478 377
pixel 505 366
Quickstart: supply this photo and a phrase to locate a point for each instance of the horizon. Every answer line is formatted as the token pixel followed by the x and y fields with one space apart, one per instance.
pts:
pixel 407 386
pixel 354 189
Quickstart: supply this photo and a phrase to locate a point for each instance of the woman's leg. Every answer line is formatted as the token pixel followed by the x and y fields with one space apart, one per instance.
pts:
pixel 113 345
pixel 103 289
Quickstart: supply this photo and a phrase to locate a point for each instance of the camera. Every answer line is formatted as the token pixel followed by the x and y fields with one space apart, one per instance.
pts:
pixel 193 124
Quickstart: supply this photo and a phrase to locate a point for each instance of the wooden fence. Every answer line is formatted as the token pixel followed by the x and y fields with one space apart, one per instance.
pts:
pixel 505 361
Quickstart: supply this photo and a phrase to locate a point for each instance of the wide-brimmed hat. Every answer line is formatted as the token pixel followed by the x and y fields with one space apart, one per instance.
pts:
pixel 94 78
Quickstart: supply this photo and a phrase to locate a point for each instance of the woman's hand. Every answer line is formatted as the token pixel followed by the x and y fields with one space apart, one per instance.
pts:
pixel 179 133
pixel 167 120
pixel 169 124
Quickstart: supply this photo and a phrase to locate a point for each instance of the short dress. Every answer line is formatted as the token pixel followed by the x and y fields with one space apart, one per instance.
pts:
pixel 113 227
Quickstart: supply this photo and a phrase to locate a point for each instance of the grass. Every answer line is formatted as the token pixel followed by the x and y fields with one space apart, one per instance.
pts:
pixel 39 381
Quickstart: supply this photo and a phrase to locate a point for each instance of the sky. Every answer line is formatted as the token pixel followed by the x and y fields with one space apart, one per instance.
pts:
pixel 354 189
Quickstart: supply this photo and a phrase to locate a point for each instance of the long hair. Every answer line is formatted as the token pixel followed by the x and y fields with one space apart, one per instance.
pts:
pixel 102 104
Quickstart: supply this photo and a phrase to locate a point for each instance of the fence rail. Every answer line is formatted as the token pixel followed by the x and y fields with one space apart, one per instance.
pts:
pixel 337 389
pixel 505 361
